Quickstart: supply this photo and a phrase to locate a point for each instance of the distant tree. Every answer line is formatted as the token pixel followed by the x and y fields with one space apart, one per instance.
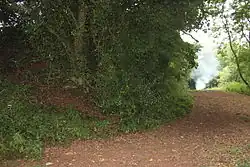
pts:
pixel 213 83
pixel 235 18
pixel 192 84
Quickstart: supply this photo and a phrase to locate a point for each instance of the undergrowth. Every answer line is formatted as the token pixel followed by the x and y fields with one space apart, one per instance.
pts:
pixel 26 127
pixel 143 106
pixel 237 87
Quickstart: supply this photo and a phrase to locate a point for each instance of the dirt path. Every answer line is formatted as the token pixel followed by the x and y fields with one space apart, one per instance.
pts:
pixel 216 133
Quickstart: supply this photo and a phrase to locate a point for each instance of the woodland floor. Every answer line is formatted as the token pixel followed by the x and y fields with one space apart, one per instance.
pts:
pixel 215 133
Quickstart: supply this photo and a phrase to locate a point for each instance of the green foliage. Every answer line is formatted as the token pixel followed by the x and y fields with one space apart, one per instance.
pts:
pixel 25 127
pixel 141 105
pixel 229 72
pixel 237 87
pixel 143 78
pixel 59 38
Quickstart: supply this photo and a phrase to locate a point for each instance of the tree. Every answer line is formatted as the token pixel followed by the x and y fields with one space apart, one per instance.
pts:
pixel 213 83
pixel 145 70
pixel 192 84
pixel 229 72
pixel 235 19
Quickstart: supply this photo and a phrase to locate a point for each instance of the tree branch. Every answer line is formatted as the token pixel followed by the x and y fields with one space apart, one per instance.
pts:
pixel 244 35
pixel 191 36
pixel 60 39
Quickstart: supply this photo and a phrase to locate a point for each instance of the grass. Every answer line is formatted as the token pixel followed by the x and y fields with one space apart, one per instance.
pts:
pixel 233 87
pixel 237 88
pixel 26 127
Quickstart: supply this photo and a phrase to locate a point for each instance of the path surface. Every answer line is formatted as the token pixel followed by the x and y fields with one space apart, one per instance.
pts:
pixel 216 133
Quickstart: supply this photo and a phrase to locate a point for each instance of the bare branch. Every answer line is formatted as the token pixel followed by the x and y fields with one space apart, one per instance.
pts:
pixel 72 16
pixel 191 36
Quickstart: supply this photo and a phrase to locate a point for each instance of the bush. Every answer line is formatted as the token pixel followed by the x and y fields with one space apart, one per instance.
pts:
pixel 143 105
pixel 25 127
pixel 142 81
pixel 237 87
pixel 143 71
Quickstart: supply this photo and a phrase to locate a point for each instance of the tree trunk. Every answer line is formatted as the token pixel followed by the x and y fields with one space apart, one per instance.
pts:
pixel 90 45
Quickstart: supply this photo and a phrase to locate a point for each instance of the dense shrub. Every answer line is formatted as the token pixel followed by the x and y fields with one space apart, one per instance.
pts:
pixel 143 71
pixel 142 106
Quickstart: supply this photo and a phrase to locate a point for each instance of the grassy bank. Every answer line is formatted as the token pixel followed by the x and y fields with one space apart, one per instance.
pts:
pixel 27 126
pixel 235 87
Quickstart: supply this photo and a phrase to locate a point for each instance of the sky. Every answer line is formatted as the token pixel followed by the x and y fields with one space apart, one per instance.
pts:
pixel 208 63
